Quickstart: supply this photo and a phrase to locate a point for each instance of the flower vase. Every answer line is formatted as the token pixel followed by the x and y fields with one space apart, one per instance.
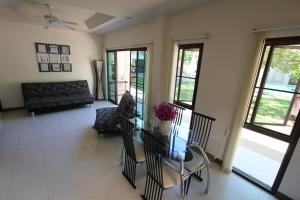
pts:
pixel 165 127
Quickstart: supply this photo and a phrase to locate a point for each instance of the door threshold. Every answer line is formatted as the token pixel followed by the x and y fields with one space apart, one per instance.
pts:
pixel 252 180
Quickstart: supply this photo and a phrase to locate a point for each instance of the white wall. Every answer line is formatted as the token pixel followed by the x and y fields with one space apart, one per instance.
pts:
pixel 228 52
pixel 18 58
pixel 227 55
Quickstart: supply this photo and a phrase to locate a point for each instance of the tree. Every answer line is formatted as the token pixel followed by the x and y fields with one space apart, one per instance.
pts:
pixel 287 60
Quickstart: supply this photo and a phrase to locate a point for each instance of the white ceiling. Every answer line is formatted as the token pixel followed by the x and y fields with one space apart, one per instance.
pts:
pixel 31 12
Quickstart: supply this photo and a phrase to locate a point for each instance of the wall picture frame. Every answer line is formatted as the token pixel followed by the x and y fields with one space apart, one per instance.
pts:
pixel 56 67
pixel 55 58
pixel 44 67
pixel 65 58
pixel 67 67
pixel 43 58
pixel 53 48
pixel 65 49
pixel 41 48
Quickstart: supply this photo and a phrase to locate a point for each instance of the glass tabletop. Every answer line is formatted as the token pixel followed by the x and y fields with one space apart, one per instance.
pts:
pixel 176 145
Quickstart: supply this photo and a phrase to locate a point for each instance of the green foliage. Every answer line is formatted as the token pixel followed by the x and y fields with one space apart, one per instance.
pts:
pixel 287 61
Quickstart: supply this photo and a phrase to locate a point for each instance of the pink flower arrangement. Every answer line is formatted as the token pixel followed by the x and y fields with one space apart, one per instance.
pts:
pixel 164 112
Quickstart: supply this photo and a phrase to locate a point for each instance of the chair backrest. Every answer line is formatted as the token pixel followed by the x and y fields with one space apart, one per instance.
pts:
pixel 154 150
pixel 177 121
pixel 127 129
pixel 127 105
pixel 200 128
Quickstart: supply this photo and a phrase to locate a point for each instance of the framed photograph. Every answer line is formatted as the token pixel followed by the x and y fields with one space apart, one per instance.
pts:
pixel 56 67
pixel 65 58
pixel 41 48
pixel 55 58
pixel 42 57
pixel 53 48
pixel 67 67
pixel 44 67
pixel 64 49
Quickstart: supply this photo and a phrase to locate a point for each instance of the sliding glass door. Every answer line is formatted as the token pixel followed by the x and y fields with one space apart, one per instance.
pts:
pixel 111 76
pixel 126 67
pixel 137 78
pixel 271 130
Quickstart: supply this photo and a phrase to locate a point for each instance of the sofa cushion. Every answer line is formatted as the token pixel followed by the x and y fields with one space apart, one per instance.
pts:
pixel 106 119
pixel 50 89
pixel 46 102
pixel 127 105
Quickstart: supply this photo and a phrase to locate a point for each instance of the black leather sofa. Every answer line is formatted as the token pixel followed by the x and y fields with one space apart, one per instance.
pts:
pixel 48 96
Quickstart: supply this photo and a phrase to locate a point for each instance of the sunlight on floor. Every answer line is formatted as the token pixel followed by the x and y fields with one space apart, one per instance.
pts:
pixel 259 156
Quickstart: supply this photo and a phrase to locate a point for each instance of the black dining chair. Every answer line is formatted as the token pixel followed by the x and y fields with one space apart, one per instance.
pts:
pixel 200 128
pixel 160 175
pixel 134 151
pixel 177 121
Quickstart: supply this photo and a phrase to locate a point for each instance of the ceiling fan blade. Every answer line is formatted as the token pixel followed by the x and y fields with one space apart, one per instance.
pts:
pixel 68 22
pixel 50 7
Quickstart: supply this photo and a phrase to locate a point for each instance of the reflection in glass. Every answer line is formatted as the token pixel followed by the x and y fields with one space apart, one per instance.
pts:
pixel 186 90
pixel 284 69
pixel 190 63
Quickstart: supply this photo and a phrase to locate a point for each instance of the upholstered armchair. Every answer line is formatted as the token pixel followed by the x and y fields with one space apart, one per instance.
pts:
pixel 108 118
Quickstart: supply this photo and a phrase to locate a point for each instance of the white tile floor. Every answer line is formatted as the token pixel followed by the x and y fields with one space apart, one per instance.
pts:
pixel 58 156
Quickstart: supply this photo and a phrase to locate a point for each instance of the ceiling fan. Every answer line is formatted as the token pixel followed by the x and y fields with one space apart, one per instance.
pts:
pixel 52 20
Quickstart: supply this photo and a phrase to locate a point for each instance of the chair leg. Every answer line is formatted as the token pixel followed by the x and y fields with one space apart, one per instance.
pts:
pixel 208 180
pixel 182 189
pixel 129 170
pixel 187 185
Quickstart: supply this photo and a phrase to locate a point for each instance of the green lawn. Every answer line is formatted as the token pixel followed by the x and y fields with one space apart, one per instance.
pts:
pixel 187 89
pixel 272 109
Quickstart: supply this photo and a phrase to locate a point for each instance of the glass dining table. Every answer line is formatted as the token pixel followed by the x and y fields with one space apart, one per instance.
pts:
pixel 179 154
pixel 177 146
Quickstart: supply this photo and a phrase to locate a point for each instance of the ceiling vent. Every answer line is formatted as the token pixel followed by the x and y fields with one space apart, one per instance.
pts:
pixel 97 19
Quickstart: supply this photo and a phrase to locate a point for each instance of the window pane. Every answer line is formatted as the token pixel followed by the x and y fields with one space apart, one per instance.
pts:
pixel 140 94
pixel 133 75
pixel 139 109
pixel 111 58
pixel 141 61
pixel 179 62
pixel 140 77
pixel 176 88
pixel 133 58
pixel 262 68
pixel 274 110
pixel 284 69
pixel 187 90
pixel 190 62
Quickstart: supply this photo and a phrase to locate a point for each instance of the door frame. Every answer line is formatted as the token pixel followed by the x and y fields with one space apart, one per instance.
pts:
pixel 116 68
pixel 200 46
pixel 116 75
pixel 291 139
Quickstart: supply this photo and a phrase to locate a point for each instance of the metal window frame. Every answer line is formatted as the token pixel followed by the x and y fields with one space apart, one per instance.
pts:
pixel 138 49
pixel 185 47
pixel 291 139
